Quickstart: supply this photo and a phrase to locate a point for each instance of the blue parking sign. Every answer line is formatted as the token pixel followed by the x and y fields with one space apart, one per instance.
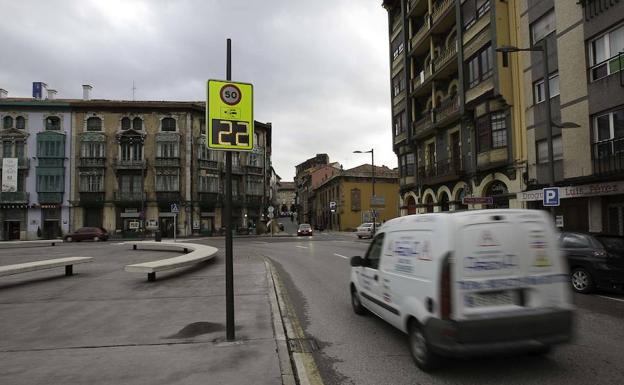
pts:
pixel 551 196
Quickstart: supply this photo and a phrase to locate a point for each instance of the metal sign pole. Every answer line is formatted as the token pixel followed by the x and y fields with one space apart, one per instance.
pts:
pixel 175 227
pixel 229 264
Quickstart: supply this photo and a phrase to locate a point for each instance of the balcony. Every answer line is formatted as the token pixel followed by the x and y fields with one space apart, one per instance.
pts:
pixel 208 164
pixel 167 162
pixel 400 138
pixel 447 111
pixel 439 9
pixel 253 200
pixel 445 56
pixel 440 172
pixel 18 197
pixel 129 196
pixel 130 164
pixel 50 197
pixel 608 157
pixel 92 197
pixel 236 169
pixel 167 196
pixel 420 80
pixel 249 169
pixel 91 162
pixel 423 125
pixel 419 36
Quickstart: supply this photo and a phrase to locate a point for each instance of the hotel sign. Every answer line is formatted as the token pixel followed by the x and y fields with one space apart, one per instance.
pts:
pixel 9 174
pixel 587 190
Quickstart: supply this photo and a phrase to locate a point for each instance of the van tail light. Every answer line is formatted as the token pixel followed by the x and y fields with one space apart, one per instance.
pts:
pixel 445 289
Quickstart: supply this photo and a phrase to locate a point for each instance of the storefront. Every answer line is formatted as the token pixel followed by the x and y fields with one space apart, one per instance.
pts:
pixel 597 207
pixel 51 221
pixel 13 222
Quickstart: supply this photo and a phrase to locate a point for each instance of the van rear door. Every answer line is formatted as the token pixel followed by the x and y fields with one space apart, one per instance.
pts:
pixel 506 261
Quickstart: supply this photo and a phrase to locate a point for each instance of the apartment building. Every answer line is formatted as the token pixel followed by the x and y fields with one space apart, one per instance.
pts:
pixel 303 183
pixel 586 57
pixel 457 115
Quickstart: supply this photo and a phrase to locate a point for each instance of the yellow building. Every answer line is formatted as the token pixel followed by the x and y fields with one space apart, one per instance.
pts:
pixel 351 191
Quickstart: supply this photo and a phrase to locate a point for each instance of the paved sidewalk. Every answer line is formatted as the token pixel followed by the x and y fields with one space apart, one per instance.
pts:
pixel 106 326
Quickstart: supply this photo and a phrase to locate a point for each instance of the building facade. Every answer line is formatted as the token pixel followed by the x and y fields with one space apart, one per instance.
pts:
pixel 351 190
pixel 458 120
pixel 286 197
pixel 303 183
pixel 586 57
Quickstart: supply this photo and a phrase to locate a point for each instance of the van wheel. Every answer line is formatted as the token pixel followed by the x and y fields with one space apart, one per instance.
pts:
pixel 358 308
pixel 582 281
pixel 419 347
pixel 96 239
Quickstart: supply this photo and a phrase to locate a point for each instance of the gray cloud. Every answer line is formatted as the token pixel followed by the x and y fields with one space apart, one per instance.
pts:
pixel 319 67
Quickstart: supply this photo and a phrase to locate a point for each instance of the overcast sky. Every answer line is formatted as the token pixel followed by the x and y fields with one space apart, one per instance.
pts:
pixel 319 67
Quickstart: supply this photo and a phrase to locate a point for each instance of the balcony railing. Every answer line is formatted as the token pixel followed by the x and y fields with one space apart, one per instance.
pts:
pixel 129 196
pixel 424 28
pixel 447 108
pixel 50 197
pixel 608 157
pixel 167 162
pixel 91 162
pixel 421 78
pixel 92 197
pixel 254 200
pixel 437 171
pixel 445 56
pixel 208 164
pixel 253 169
pixel 423 124
pixel 210 198
pixel 168 196
pixel 439 7
pixel 130 164
pixel 14 197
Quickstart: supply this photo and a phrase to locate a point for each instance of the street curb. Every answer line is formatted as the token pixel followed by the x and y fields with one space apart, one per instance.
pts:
pixel 302 365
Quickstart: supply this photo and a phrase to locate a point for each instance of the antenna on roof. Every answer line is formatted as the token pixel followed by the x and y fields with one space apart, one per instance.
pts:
pixel 133 89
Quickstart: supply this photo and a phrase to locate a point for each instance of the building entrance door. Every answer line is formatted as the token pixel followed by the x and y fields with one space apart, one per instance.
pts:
pixel 615 218
pixel 12 230
pixel 166 226
pixel 51 228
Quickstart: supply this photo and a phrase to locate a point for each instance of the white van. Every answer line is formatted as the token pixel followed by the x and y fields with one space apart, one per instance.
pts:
pixel 467 283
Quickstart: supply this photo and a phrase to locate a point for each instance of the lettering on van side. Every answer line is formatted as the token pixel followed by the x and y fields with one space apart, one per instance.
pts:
pixel 510 283
pixel 492 262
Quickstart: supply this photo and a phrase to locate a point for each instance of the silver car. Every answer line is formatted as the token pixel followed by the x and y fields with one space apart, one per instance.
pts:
pixel 365 230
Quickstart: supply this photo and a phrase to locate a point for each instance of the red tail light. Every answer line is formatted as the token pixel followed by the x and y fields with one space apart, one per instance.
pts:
pixel 445 289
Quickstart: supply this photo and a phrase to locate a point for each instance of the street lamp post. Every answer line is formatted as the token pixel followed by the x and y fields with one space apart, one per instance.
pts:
pixel 543 48
pixel 372 152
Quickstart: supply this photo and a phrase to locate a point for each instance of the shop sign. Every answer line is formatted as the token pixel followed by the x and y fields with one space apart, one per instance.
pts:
pixel 9 174
pixel 588 190
pixel 477 200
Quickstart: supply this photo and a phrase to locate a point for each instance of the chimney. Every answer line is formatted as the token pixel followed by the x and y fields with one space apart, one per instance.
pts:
pixel 3 93
pixel 51 94
pixel 86 92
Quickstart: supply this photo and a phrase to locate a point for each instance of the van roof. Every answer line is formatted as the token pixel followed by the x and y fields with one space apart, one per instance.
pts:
pixel 437 219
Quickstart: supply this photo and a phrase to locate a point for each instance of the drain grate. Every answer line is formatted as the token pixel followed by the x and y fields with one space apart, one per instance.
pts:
pixel 302 345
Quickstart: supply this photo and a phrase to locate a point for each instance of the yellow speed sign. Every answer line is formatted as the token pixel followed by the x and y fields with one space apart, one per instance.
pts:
pixel 229 114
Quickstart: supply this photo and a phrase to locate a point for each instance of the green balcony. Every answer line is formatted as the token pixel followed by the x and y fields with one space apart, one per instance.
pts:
pixel 14 197
pixel 50 197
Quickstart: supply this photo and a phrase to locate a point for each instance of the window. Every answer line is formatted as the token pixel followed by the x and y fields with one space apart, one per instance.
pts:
pixel 125 123
pixel 397 46
pixel 539 89
pixel 604 54
pixel 167 183
pixel 235 159
pixel 50 183
pixel 94 124
pixel 7 122
pixel 50 149
pixel 167 150
pixel 92 183
pixel 542 149
pixel 609 134
pixel 400 123
pixel 492 131
pixel 12 149
pixel 472 10
pixel 255 185
pixel 480 66
pixel 398 83
pixel 543 27
pixel 574 241
pixel 209 183
pixel 409 164
pixel 130 183
pixel 20 123
pixel 131 151
pixel 53 123
pixel 93 150
pixel 202 126
pixel 168 124
pixel 374 252
pixel 137 124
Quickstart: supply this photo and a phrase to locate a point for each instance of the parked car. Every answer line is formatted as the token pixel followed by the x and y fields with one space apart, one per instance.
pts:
pixel 596 261
pixel 467 283
pixel 304 229
pixel 365 230
pixel 85 233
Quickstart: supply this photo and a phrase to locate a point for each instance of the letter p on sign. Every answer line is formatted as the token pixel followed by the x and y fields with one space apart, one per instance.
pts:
pixel 551 196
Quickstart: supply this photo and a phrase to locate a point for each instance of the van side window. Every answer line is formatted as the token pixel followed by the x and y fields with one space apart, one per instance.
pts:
pixel 574 241
pixel 374 252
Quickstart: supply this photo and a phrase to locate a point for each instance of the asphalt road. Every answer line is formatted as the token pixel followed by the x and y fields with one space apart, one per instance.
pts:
pixel 366 350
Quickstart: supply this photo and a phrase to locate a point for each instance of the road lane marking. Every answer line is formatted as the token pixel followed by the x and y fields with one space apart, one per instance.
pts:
pixel 615 299
pixel 341 256
pixel 302 247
